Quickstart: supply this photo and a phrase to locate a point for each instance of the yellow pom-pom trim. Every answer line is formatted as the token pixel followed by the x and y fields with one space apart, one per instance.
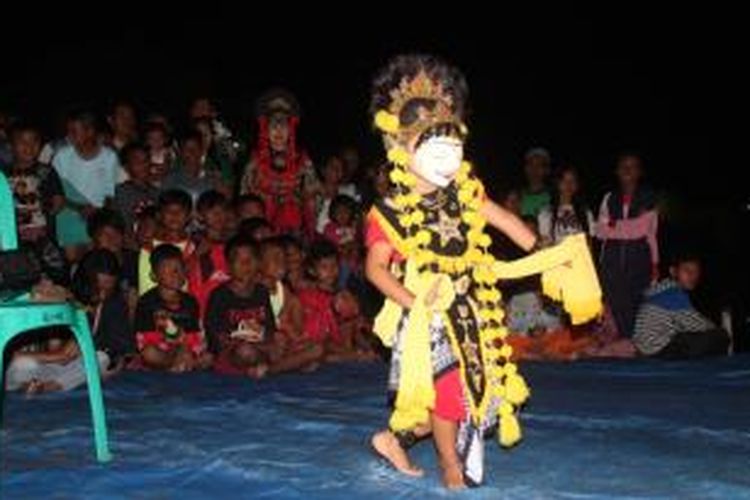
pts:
pixel 387 122
pixel 398 156
pixel 510 431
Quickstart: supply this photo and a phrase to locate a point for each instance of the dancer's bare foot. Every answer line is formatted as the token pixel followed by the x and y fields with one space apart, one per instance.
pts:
pixel 387 446
pixel 453 476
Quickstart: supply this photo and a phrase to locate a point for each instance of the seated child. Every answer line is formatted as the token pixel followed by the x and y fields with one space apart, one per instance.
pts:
pixel 106 229
pixel 96 285
pixel 668 326
pixel 296 351
pixel 239 320
pixel 207 268
pixel 173 214
pixel 167 324
pixel 161 154
pixel 55 364
pixel 331 317
pixel 342 230
pixel 145 227
pixel 526 311
pixel 38 196
pixel 136 192
pixel 51 369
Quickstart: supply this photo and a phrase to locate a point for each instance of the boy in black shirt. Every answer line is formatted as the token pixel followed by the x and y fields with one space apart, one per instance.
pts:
pixel 166 319
pixel 239 320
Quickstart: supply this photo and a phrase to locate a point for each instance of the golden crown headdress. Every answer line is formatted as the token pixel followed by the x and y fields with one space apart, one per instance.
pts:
pixel 420 87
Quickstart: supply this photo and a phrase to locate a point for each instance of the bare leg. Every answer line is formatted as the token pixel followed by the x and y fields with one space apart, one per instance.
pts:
pixel 40 386
pixel 155 358
pixel 445 433
pixel 298 360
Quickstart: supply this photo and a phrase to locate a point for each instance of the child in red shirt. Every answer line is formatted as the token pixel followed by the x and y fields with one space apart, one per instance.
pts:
pixel 207 267
pixel 295 350
pixel 330 317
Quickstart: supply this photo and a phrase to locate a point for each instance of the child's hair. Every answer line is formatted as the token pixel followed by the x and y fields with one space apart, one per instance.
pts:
pixel 163 253
pixel 157 126
pixel 331 159
pixel 319 250
pixel 684 257
pixel 628 153
pixel 251 225
pixel 210 199
pixel 105 217
pixel 579 205
pixel 129 149
pixel 191 135
pixel 145 213
pixel 85 117
pixel 270 243
pixel 175 197
pixel 247 198
pixel 289 241
pixel 23 127
pixel 342 200
pixel 97 261
pixel 235 243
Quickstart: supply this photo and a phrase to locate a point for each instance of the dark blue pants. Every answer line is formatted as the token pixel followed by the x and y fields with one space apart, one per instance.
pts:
pixel 625 269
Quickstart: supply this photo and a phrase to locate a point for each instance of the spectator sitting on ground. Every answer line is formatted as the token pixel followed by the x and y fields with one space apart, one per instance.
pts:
pixel 668 326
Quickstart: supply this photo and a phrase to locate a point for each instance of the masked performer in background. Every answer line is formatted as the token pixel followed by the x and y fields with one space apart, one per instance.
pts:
pixel 278 170
pixel 452 376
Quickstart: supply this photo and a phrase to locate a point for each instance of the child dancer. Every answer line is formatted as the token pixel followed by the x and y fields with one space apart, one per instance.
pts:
pixel 451 370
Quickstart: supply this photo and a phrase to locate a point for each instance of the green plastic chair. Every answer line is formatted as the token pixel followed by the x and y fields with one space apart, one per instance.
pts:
pixel 19 315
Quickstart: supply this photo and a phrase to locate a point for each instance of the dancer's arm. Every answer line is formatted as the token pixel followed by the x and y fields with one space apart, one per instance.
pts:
pixel 376 268
pixel 509 224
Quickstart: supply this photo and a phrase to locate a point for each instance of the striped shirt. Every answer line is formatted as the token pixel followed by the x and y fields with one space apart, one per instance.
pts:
pixel 666 311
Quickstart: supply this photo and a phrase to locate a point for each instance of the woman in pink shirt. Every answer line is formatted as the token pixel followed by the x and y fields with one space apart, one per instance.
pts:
pixel 627 227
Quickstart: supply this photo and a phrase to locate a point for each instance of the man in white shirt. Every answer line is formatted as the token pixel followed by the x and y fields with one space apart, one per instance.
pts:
pixel 88 171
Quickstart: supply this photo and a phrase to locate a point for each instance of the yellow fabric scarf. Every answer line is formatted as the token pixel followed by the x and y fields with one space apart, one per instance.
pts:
pixel 568 275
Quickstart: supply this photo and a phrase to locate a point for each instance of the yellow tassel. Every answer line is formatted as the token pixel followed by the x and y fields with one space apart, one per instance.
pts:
pixel 510 430
pixel 398 156
pixel 516 390
pixel 397 175
pixel 387 122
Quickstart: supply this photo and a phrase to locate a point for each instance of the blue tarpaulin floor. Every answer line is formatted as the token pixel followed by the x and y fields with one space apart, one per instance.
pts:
pixel 640 429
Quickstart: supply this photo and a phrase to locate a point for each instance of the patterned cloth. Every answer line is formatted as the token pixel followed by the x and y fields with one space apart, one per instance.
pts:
pixel 455 344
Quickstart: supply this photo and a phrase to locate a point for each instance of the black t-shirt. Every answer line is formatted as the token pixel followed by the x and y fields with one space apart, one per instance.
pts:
pixel 228 312
pixel 129 270
pixel 112 327
pixel 33 190
pixel 153 315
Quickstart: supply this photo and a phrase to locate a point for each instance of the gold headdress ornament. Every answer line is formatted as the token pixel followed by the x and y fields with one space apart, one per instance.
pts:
pixel 420 87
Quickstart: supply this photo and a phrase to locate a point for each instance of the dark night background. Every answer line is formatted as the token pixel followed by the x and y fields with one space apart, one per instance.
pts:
pixel 582 86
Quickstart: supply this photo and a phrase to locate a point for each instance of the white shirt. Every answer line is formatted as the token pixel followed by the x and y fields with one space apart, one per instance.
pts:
pixel 566 224
pixel 89 180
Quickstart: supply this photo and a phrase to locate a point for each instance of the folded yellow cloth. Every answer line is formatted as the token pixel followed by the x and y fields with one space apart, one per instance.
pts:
pixel 416 392
pixel 568 276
